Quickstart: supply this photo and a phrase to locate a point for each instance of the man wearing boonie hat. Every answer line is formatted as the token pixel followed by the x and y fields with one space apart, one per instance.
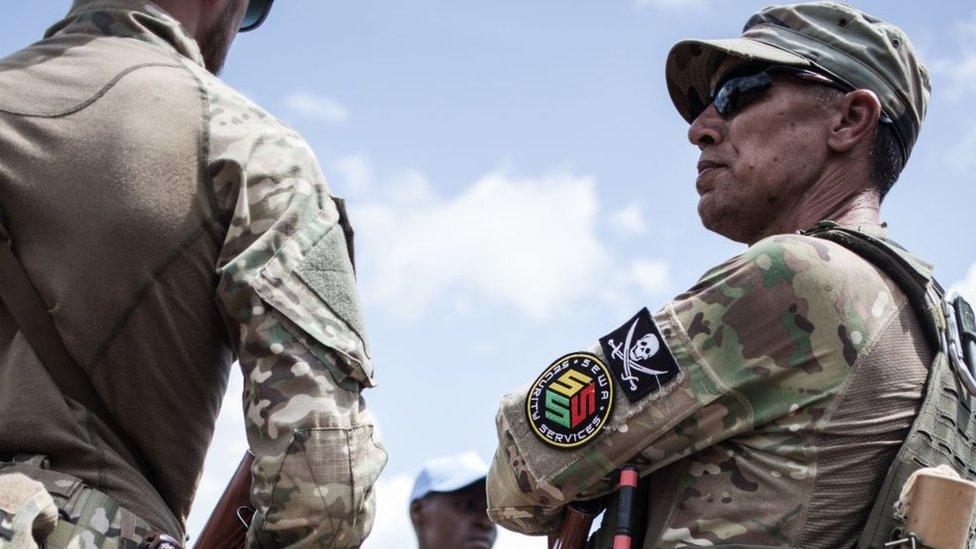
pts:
pixel 765 405
pixel 447 504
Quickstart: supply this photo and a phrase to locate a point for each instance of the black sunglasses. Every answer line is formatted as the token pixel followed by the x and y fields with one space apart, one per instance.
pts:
pixel 257 12
pixel 744 86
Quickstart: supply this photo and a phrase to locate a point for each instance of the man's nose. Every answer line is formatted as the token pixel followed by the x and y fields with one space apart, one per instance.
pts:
pixel 707 129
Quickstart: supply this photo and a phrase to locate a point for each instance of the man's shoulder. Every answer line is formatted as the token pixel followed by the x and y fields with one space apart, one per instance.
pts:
pixel 793 288
pixel 233 115
pixel 806 265
pixel 66 74
pixel 823 285
pixel 820 270
pixel 243 135
pixel 808 258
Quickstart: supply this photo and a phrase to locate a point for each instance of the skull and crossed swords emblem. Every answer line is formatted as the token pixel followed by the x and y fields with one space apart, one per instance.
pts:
pixel 630 353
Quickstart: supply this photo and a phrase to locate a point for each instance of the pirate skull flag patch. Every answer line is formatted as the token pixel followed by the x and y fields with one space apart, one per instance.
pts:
pixel 639 357
pixel 568 405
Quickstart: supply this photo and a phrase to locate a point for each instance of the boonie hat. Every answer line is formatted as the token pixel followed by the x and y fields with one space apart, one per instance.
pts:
pixel 834 39
pixel 448 474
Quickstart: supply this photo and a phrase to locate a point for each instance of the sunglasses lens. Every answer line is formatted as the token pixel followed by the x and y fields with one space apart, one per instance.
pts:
pixel 736 93
pixel 725 99
pixel 256 12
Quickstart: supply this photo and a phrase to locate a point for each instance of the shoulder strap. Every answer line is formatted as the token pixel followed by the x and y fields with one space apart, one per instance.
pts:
pixel 31 315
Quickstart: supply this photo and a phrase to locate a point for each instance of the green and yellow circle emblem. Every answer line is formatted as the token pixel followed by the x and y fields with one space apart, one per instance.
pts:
pixel 569 403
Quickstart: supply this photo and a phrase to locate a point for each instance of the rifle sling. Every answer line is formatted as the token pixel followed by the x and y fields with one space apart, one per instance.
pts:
pixel 32 317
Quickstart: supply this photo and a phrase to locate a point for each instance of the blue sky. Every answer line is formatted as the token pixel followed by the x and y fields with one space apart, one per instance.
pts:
pixel 521 184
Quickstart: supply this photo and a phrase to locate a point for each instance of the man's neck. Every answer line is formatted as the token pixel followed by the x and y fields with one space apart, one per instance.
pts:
pixel 861 208
pixel 837 197
pixel 187 13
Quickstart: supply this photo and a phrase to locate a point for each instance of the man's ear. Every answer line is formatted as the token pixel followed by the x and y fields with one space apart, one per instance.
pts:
pixel 859 112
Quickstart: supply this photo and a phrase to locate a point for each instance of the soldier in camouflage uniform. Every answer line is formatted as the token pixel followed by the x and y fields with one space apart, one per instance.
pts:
pixel 171 225
pixel 763 405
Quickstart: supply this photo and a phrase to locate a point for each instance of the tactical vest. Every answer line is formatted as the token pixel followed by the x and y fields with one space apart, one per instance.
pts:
pixel 944 431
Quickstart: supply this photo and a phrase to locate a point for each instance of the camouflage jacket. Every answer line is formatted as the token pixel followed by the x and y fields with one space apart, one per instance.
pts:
pixel 798 369
pixel 216 238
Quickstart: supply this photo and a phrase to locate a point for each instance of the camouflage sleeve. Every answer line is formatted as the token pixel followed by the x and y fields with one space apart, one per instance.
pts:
pixel 765 339
pixel 287 292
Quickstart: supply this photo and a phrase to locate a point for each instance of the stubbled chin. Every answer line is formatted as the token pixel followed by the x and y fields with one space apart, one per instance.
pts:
pixel 707 208
pixel 707 221
pixel 716 219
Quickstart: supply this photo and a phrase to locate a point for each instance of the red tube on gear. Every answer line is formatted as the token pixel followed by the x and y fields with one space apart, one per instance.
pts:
pixel 627 487
pixel 621 541
pixel 629 477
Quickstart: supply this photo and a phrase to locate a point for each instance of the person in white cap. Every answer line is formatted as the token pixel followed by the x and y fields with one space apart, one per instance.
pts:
pixel 448 504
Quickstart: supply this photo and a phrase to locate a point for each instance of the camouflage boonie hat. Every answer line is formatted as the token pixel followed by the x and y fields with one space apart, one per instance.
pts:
pixel 842 42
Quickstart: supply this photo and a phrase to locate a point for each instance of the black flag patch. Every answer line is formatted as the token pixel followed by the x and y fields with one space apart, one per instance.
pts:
pixel 639 357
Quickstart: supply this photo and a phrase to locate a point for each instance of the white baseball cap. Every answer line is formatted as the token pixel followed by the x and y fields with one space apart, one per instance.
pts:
pixel 448 474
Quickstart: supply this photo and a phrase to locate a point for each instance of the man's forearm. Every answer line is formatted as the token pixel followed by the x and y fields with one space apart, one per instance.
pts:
pixel 316 453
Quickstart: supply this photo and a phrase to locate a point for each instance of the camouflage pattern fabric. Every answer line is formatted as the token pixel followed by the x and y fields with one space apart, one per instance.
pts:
pixel 288 296
pixel 767 343
pixel 27 512
pixel 97 522
pixel 288 291
pixel 87 518
pixel 833 38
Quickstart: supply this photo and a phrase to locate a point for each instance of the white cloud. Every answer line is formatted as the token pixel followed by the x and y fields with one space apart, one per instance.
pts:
pixel 959 71
pixel 511 540
pixel 410 188
pixel 967 286
pixel 652 277
pixel 965 73
pixel 319 107
pixel 392 527
pixel 960 155
pixel 955 78
pixel 354 174
pixel 529 243
pixel 667 4
pixel 629 220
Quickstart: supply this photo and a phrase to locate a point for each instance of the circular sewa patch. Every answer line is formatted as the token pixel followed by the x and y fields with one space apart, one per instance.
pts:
pixel 568 405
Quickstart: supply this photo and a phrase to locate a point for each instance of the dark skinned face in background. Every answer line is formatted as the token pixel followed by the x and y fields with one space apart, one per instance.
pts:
pixel 454 520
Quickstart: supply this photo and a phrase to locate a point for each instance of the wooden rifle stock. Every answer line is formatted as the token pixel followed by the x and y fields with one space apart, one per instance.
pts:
pixel 576 526
pixel 579 516
pixel 226 528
